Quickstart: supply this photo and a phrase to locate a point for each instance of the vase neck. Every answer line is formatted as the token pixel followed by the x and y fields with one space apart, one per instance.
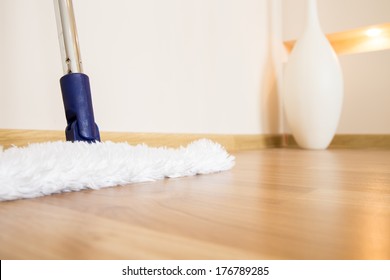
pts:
pixel 312 20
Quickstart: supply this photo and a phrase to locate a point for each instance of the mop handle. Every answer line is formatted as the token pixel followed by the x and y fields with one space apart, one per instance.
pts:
pixel 75 87
pixel 67 35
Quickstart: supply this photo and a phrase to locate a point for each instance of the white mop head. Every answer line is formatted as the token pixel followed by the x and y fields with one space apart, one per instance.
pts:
pixel 54 167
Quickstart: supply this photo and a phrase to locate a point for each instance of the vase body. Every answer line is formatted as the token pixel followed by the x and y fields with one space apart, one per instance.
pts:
pixel 313 86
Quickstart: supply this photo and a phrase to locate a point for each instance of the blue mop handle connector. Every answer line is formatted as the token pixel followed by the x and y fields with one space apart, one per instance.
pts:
pixel 76 95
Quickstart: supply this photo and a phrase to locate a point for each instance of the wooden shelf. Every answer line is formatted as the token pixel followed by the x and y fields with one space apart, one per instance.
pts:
pixel 365 39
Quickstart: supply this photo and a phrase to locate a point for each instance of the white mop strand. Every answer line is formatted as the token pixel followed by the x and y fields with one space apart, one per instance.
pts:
pixel 53 167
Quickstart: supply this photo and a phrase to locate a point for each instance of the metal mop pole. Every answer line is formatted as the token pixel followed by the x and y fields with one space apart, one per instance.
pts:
pixel 75 87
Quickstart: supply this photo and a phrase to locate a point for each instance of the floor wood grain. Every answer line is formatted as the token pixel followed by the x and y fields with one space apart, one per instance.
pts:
pixel 274 204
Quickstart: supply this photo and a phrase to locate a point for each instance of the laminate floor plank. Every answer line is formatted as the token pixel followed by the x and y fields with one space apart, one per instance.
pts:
pixel 274 204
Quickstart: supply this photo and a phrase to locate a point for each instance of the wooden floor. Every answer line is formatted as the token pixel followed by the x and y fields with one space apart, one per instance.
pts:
pixel 274 204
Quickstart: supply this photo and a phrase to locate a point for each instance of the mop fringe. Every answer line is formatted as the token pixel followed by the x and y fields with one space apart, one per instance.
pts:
pixel 54 167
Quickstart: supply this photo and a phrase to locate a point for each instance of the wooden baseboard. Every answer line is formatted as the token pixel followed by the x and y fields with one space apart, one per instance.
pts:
pixel 232 142
pixel 352 141
pixel 9 137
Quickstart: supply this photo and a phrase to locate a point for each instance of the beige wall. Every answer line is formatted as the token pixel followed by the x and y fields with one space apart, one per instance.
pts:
pixel 366 76
pixel 196 66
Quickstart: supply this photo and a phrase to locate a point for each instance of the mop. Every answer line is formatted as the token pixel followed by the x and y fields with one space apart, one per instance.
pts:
pixel 84 161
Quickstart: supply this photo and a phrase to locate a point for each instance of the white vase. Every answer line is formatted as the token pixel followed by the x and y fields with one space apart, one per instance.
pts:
pixel 313 86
